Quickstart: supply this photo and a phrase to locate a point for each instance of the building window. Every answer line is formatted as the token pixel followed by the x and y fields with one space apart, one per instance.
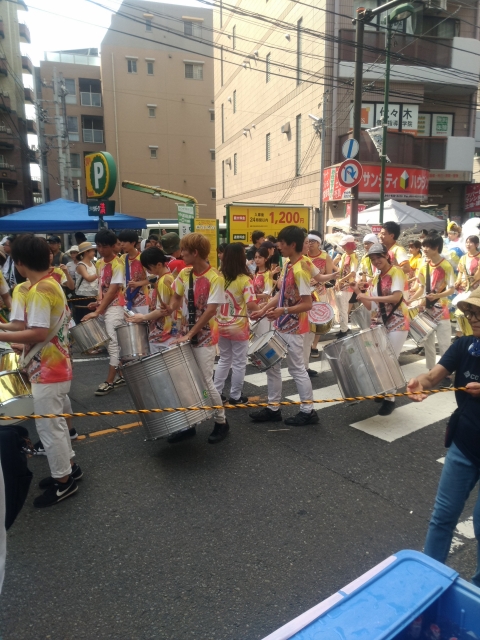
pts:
pixel 267 147
pixel 92 129
pixel 193 71
pixel 148 24
pixel 235 101
pixel 75 167
pixel 221 66
pixel 234 37
pixel 153 153
pixel 223 125
pixel 152 112
pixel 212 154
pixel 299 51
pixel 71 97
pixel 223 178
pixel 298 144
pixel 212 115
pixel 267 68
pixel 149 68
pixel 235 164
pixel 192 29
pixel 214 193
pixel 132 66
pixel 72 128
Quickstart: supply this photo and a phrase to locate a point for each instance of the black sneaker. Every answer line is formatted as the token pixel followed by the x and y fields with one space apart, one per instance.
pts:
pixel 119 382
pixel 387 408
pixel 312 373
pixel 341 334
pixel 73 434
pixel 77 474
pixel 57 492
pixel 302 419
pixel 104 388
pixel 219 433
pixel 224 398
pixel 241 400
pixel 38 449
pixel 182 435
pixel 266 415
pixel 315 353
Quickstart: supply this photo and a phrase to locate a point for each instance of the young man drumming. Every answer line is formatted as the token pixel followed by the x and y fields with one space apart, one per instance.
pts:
pixel 111 277
pixel 136 281
pixel 198 320
pixel 40 317
pixel 289 310
pixel 389 234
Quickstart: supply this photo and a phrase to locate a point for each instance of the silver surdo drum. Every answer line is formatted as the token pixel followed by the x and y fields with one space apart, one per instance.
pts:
pixel 365 364
pixel 90 334
pixel 171 378
pixel 361 317
pixel 267 350
pixel 133 341
pixel 421 326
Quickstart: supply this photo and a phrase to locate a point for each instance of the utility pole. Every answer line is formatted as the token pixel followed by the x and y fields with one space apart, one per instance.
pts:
pixel 59 132
pixel 319 127
pixel 68 163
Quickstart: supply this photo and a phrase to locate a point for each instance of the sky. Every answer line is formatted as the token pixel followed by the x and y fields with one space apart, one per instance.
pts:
pixel 70 24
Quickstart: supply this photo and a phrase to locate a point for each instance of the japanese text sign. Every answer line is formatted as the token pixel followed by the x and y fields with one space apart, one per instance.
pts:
pixel 243 220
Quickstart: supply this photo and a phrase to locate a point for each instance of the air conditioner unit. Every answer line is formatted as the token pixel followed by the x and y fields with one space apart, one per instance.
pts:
pixel 286 128
pixel 228 162
pixel 436 4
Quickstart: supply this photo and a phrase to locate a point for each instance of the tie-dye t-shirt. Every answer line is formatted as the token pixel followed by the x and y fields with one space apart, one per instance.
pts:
pixel 348 264
pixel 43 305
pixel 262 283
pixel 161 328
pixel 208 288
pixel 394 280
pixel 320 262
pixel 365 267
pixel 112 272
pixel 398 255
pixel 468 267
pixel 238 294
pixel 136 273
pixel 58 275
pixel 297 283
pixel 441 277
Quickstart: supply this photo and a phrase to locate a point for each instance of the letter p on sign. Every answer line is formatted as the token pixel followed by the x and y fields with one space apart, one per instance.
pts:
pixel 100 175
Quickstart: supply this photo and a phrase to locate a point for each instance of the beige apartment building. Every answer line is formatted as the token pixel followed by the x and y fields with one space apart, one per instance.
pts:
pixel 79 107
pixel 157 78
pixel 278 62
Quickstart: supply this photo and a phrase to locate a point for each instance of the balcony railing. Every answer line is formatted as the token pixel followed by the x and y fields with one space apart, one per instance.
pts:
pixel 5 104
pixel 7 165
pixel 24 32
pixel 27 64
pixel 406 49
pixel 29 97
pixel 90 99
pixel 4 129
pixel 93 135
pixel 31 126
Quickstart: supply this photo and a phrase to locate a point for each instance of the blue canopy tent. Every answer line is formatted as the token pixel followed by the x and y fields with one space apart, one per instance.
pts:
pixel 63 216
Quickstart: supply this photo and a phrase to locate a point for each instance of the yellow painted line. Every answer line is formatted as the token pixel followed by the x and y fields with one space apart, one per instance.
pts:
pixel 102 433
pixel 129 426
pixel 81 438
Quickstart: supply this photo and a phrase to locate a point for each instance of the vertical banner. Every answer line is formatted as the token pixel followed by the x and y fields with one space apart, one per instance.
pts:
pixel 186 216
pixel 209 228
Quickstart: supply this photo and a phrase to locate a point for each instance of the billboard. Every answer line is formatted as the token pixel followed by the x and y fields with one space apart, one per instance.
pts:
pixel 242 219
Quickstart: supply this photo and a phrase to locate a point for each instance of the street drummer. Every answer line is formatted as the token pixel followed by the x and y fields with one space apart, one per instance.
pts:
pixel 436 281
pixel 136 280
pixel 163 326
pixel 389 234
pixel 469 267
pixel 263 285
pixel 344 288
pixel 365 269
pixel 385 298
pixel 289 309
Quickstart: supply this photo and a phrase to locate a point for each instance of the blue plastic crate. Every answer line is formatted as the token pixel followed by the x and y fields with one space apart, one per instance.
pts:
pixel 381 603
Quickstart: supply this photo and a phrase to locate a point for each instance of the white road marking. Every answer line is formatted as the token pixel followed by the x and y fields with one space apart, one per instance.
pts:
pixel 89 359
pixel 441 460
pixel 465 528
pixel 456 544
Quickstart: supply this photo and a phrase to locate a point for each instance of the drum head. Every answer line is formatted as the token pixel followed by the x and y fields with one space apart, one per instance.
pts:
pixel 320 313
pixel 259 342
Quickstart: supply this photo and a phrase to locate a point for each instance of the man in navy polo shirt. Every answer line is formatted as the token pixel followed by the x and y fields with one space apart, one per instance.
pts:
pixel 461 471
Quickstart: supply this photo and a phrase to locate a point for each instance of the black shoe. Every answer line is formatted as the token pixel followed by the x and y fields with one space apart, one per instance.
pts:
pixel 219 433
pixel 266 415
pixel 315 353
pixel 387 408
pixel 224 398
pixel 73 434
pixel 302 419
pixel 312 373
pixel 119 382
pixel 77 474
pixel 57 492
pixel 241 400
pixel 182 435
pixel 341 334
pixel 38 449
pixel 419 351
pixel 377 400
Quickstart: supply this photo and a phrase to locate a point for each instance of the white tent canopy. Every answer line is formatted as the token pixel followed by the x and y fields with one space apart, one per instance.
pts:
pixel 406 217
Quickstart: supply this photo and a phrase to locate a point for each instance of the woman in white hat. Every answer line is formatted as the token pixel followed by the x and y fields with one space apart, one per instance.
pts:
pixel 86 285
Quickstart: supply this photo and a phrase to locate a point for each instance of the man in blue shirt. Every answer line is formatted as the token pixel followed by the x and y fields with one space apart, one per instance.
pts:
pixel 461 471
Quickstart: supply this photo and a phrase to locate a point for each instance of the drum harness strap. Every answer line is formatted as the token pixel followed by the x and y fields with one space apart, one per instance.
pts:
pixel 192 312
pixel 383 309
pixel 26 357
pixel 129 293
pixel 429 304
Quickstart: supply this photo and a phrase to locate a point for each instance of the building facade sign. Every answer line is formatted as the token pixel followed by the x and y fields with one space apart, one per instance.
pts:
pixel 401 183
pixel 402 117
pixel 243 219
pixel 444 175
pixel 472 197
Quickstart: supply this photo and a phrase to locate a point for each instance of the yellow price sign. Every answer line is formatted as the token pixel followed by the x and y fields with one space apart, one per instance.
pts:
pixel 208 227
pixel 242 220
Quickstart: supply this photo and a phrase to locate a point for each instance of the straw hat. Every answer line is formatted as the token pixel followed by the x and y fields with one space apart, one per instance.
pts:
pixel 473 299
pixel 85 246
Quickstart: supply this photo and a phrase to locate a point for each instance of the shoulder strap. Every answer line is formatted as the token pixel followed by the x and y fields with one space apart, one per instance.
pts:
pixel 383 309
pixel 192 314
pixel 25 359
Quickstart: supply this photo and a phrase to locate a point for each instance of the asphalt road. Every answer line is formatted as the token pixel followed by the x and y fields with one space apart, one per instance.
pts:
pixel 194 541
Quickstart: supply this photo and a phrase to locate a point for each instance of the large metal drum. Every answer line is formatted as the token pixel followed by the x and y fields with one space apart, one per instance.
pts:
pixel 9 360
pixel 90 334
pixel 133 341
pixel 267 350
pixel 421 326
pixel 171 378
pixel 365 364
pixel 361 317
pixel 15 396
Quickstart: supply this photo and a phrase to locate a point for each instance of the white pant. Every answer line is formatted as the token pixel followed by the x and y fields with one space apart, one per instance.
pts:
pixel 397 340
pixel 205 357
pixel 113 317
pixel 296 368
pixel 233 355
pixel 444 339
pixel 342 298
pixel 53 432
pixel 308 339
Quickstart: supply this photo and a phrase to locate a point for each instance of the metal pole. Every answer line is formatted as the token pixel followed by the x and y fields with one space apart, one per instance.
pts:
pixel 357 102
pixel 321 131
pixel 383 156
pixel 59 131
